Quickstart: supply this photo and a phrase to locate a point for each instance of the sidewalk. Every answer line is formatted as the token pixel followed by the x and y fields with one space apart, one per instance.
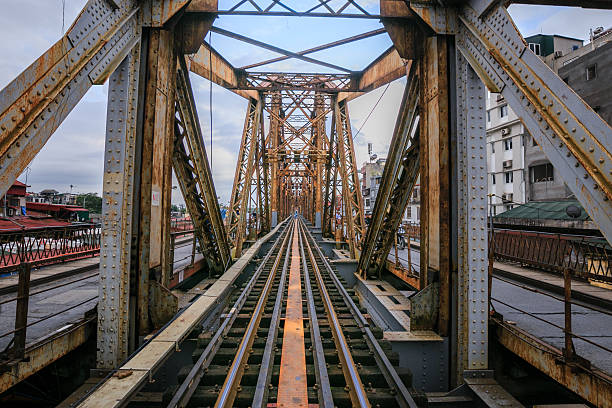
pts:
pixel 581 290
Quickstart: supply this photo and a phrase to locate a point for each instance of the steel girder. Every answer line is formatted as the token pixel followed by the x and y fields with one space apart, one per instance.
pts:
pixel 118 205
pixel 574 138
pixel 399 176
pixel 245 168
pixel 472 240
pixel 352 200
pixel 35 103
pixel 330 181
pixel 193 173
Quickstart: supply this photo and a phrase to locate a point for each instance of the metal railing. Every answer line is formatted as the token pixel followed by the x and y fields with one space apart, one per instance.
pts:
pixel 43 246
pixel 181 224
pixel 584 257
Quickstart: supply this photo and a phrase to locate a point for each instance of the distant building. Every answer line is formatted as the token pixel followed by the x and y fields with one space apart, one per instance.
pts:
pixel 412 214
pixel 371 176
pixel 587 69
pixel 14 202
pixel 505 153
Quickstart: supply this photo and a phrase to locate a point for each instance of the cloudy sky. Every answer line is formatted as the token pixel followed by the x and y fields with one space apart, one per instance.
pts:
pixel 74 155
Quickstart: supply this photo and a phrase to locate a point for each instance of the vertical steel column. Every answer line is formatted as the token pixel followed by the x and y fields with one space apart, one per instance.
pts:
pixel 118 208
pixel 472 241
pixel 319 157
pixel 158 137
pixel 272 149
pixel 352 199
pixel 435 173
pixel 155 168
pixel 330 176
pixel 243 176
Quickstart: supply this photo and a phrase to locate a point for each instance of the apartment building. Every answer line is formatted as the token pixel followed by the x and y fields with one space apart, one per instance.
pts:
pixel 505 153
pixel 518 169
pixel 371 175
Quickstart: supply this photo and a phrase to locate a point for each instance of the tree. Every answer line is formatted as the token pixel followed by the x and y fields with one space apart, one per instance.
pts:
pixel 91 201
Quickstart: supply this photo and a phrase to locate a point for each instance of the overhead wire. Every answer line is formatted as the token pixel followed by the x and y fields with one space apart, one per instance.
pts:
pixel 210 99
pixel 372 110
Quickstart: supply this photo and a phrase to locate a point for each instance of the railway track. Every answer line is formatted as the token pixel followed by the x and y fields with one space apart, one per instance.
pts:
pixel 292 336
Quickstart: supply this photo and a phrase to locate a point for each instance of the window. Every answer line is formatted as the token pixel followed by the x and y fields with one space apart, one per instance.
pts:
pixel 509 176
pixel 507 144
pixel 533 142
pixel 541 173
pixel 566 80
pixel 409 212
pixel 535 47
pixel 591 72
pixel 492 178
pixel 367 203
pixel 492 147
pixel 503 111
pixel 488 116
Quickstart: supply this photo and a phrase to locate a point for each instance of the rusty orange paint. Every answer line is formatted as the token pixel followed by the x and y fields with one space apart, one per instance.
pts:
pixel 292 386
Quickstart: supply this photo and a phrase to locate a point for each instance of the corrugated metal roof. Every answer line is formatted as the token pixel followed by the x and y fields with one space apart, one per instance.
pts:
pixel 25 222
pixel 545 210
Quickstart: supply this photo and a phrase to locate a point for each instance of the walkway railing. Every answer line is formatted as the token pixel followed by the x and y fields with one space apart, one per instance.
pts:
pixel 585 257
pixel 43 246
pixel 181 224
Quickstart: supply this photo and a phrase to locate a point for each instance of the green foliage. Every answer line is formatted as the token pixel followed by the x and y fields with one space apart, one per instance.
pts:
pixel 91 201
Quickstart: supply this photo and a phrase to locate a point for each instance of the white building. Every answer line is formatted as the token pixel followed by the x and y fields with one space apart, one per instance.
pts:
pixel 505 153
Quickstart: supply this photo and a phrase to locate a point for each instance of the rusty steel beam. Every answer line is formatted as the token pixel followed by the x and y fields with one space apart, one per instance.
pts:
pixel 272 144
pixel 319 48
pixel 589 383
pixel 352 200
pixel 574 138
pixel 278 50
pixel 596 4
pixel 245 167
pixel 398 178
pixel 209 64
pixel 116 331
pixel 37 101
pixel 191 167
pixel 434 146
pixel 45 351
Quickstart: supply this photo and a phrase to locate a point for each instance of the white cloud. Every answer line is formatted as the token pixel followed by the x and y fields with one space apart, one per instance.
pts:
pixel 74 154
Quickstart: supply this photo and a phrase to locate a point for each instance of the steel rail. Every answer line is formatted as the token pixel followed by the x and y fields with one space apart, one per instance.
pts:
pixel 188 386
pixel 357 392
pixel 324 390
pixel 403 397
pixel 265 372
pixel 229 389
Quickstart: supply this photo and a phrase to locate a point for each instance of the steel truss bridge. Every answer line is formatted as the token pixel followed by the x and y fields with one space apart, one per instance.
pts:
pixel 450 53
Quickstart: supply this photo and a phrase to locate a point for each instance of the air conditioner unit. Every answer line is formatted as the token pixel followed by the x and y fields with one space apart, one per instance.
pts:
pixel 558 54
pixel 507 197
pixel 507 164
pixel 505 131
pixel 500 97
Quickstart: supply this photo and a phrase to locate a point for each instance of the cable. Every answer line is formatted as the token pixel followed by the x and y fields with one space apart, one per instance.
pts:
pixel 63 15
pixel 371 111
pixel 210 100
